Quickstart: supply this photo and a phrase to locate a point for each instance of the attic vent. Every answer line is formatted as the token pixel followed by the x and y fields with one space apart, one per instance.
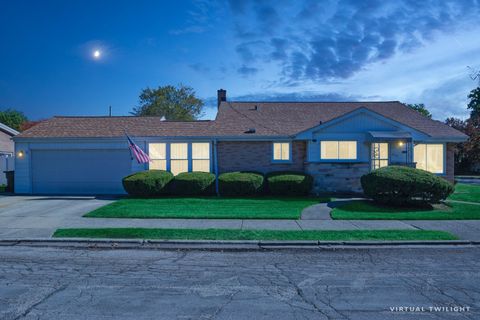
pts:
pixel 255 108
pixel 250 130
pixel 320 122
pixel 163 118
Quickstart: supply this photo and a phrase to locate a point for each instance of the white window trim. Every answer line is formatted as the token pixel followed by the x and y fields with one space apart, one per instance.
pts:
pixel 189 153
pixel 290 160
pixel 338 160
pixel 444 171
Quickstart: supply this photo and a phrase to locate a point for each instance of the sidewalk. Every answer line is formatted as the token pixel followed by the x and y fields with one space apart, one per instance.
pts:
pixel 464 229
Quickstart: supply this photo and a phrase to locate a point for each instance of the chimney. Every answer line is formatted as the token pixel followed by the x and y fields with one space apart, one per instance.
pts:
pixel 221 96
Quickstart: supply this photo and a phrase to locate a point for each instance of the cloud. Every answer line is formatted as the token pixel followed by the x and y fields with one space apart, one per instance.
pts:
pixel 199 67
pixel 247 71
pixel 337 39
pixel 199 18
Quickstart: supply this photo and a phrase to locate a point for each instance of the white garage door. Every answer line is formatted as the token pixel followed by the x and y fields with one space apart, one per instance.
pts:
pixel 79 171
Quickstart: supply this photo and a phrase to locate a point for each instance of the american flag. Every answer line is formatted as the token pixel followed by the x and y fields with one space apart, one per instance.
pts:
pixel 139 154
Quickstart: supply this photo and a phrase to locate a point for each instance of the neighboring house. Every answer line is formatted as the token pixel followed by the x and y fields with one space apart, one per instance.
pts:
pixel 6 151
pixel 336 142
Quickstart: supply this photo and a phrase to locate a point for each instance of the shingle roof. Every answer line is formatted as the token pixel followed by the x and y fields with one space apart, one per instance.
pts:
pixel 289 118
pixel 234 119
pixel 93 127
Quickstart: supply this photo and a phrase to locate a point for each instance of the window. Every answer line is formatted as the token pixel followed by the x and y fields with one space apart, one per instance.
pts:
pixel 178 158
pixel 379 155
pixel 158 156
pixel 281 151
pixel 429 157
pixel 201 156
pixel 338 150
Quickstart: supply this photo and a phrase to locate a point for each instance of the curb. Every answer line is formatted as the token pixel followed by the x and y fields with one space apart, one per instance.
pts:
pixel 221 245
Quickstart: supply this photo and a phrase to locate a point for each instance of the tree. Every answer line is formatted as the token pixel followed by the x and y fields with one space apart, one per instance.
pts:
pixel 474 104
pixel 420 107
pixel 12 118
pixel 462 161
pixel 173 103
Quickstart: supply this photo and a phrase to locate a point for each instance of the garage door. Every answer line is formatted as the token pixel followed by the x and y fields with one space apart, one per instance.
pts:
pixel 79 171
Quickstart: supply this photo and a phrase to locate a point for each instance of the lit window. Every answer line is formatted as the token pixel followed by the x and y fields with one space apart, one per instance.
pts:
pixel 338 150
pixel 281 151
pixel 158 156
pixel 178 158
pixel 201 156
pixel 429 157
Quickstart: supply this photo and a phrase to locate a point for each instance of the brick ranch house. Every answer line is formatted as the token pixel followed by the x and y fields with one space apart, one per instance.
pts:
pixel 6 151
pixel 336 142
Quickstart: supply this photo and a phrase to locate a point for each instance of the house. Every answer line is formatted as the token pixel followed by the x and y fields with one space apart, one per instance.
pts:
pixel 6 151
pixel 336 142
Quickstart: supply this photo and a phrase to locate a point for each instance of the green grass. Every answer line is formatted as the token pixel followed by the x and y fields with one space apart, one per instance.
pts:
pixel 466 192
pixel 207 208
pixel 237 234
pixel 368 210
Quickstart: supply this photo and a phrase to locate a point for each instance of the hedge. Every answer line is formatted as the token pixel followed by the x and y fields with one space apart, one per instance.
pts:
pixel 147 183
pixel 240 183
pixel 398 185
pixel 193 183
pixel 289 183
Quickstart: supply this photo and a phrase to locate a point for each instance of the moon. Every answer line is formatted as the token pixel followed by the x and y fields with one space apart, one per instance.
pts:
pixel 97 54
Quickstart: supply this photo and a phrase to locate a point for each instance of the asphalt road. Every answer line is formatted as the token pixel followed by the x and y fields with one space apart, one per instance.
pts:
pixel 49 283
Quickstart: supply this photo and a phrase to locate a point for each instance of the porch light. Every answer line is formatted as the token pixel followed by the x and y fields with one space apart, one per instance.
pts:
pixel 400 143
pixel 20 154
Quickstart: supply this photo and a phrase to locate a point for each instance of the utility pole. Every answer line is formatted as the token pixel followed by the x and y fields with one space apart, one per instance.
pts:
pixel 109 111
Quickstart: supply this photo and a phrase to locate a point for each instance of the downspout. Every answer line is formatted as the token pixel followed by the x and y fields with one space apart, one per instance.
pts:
pixel 215 165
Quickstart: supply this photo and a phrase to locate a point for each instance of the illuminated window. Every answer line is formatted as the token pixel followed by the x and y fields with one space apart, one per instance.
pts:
pixel 281 151
pixel 338 150
pixel 178 158
pixel 158 156
pixel 429 157
pixel 201 156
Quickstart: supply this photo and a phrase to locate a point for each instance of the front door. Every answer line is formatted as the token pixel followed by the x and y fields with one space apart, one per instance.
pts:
pixel 379 157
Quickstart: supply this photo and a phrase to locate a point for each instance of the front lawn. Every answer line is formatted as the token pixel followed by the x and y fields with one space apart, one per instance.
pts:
pixel 368 210
pixel 237 234
pixel 466 192
pixel 207 208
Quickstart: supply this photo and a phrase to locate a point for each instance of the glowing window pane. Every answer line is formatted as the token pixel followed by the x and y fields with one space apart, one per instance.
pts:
pixel 281 151
pixel 178 151
pixel 329 149
pixel 201 165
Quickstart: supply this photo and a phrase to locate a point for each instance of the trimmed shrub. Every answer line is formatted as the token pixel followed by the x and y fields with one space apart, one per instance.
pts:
pixel 193 183
pixel 398 185
pixel 147 183
pixel 240 183
pixel 289 183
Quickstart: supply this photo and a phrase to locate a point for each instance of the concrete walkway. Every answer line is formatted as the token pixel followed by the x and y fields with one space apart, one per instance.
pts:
pixel 39 217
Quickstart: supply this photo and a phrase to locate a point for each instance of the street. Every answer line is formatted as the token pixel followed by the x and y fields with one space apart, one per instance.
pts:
pixel 54 283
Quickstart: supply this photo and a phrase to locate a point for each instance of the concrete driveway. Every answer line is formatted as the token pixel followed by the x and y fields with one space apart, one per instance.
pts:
pixel 40 216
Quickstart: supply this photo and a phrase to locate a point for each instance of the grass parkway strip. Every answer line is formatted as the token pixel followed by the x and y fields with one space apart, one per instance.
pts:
pixel 207 208
pixel 237 234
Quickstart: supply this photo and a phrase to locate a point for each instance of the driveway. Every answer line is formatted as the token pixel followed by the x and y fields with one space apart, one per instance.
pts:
pixel 40 216
pixel 52 283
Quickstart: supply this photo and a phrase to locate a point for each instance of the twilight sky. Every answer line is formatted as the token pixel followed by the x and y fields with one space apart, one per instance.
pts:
pixel 412 51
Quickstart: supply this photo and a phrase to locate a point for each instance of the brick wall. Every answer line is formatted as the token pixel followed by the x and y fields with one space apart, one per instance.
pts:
pixel 6 145
pixel 257 156
pixel 337 177
pixel 450 165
